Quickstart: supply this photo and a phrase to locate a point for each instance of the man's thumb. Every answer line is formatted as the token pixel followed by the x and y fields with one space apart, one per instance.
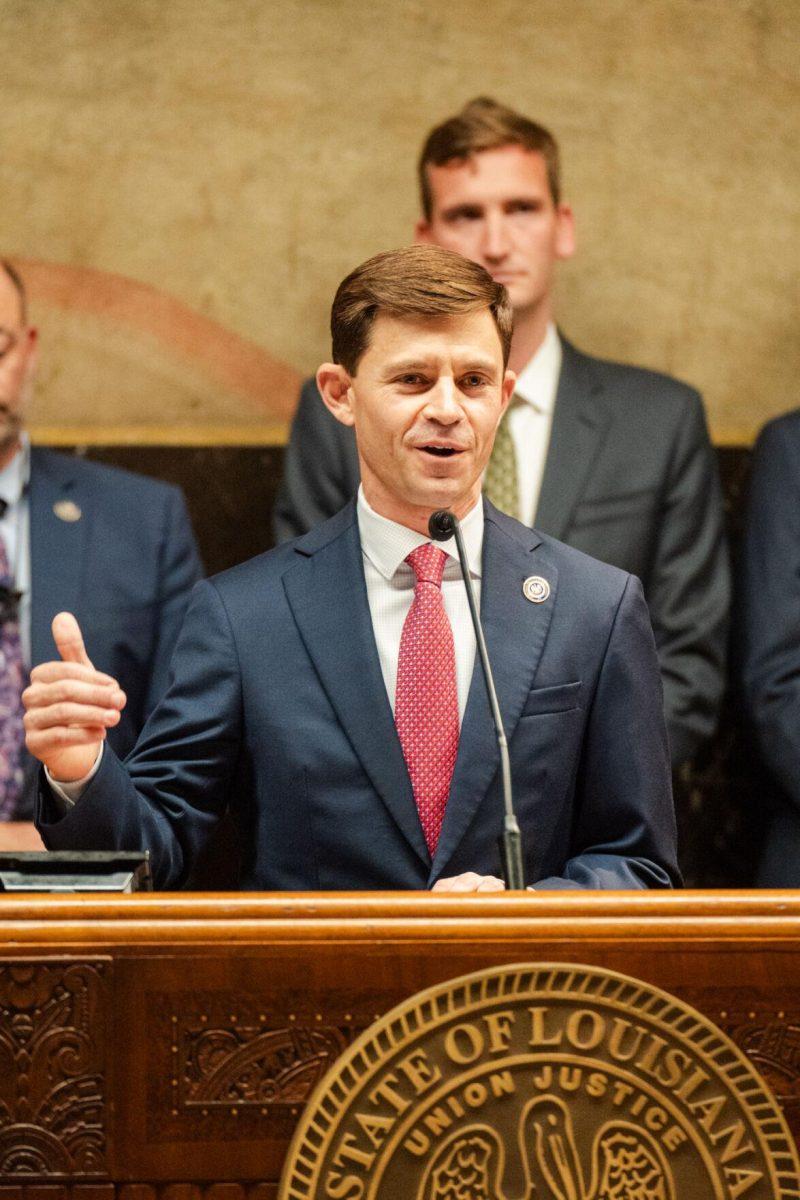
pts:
pixel 69 639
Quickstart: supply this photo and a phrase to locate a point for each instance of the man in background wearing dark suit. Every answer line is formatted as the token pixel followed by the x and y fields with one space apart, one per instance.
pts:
pixel 768 637
pixel 327 691
pixel 113 547
pixel 611 459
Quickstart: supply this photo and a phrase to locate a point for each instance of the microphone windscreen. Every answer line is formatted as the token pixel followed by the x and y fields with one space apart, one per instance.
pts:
pixel 441 525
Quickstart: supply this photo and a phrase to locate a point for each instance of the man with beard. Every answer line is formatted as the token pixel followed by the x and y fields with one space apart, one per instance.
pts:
pixel 114 548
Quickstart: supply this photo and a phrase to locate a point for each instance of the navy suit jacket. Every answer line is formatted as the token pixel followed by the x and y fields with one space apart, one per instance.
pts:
pixel 630 479
pixel 125 568
pixel 277 706
pixel 768 638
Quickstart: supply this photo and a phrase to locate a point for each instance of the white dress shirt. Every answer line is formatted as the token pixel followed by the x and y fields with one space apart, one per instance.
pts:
pixel 390 589
pixel 14 530
pixel 530 424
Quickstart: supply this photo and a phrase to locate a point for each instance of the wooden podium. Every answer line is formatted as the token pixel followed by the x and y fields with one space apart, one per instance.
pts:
pixel 165 1045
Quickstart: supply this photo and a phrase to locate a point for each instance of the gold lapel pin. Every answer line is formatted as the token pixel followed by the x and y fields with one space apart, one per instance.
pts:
pixel 536 589
pixel 67 510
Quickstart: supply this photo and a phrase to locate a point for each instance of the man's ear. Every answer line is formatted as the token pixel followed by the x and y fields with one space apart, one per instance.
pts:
pixel 422 232
pixel 565 232
pixel 32 348
pixel 31 361
pixel 333 382
pixel 507 388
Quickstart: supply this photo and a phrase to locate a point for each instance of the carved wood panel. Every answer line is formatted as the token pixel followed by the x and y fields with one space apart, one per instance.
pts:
pixel 766 1026
pixel 53 1068
pixel 223 1064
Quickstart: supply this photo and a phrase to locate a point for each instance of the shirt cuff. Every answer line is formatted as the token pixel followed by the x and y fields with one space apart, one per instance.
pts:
pixel 66 795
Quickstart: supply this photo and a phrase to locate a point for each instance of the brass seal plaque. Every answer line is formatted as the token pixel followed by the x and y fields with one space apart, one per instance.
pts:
pixel 545 1082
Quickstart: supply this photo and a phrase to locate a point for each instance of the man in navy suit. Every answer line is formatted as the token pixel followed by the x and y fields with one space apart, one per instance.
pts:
pixel 609 458
pixel 300 699
pixel 114 548
pixel 769 638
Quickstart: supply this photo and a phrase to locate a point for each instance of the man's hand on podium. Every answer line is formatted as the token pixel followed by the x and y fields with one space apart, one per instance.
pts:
pixel 470 881
pixel 69 706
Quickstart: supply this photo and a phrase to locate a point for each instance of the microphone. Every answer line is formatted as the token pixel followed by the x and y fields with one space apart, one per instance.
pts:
pixel 443 525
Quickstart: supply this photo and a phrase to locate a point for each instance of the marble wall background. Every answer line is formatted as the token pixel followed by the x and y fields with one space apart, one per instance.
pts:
pixel 209 170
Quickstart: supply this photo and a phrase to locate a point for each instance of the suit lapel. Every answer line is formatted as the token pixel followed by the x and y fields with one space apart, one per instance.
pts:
pixel 326 582
pixel 580 424
pixel 515 631
pixel 57 546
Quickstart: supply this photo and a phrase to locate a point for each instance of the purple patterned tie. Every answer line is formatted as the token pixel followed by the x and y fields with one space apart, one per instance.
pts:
pixel 13 680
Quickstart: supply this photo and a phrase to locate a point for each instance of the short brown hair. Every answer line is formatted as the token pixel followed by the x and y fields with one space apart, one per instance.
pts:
pixel 16 279
pixel 483 124
pixel 417 281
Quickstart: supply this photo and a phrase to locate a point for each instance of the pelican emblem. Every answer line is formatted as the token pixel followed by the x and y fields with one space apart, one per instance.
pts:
pixel 626 1163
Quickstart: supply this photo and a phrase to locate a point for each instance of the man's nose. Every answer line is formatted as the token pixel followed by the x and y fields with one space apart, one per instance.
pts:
pixel 496 242
pixel 443 403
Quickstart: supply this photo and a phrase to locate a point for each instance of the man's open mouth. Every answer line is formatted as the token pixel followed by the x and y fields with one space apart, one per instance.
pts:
pixel 441 451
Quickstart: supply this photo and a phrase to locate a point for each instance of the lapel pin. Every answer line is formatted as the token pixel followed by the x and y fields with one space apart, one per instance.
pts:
pixel 536 589
pixel 67 510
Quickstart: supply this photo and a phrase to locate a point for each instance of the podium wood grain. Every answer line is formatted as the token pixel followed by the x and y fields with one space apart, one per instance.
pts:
pixel 163 1046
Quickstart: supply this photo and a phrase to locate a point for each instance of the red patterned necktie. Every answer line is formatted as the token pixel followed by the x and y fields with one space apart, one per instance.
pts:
pixel 12 683
pixel 426 700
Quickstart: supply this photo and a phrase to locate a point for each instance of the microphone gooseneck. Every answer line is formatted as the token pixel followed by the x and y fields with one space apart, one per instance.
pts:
pixel 442 525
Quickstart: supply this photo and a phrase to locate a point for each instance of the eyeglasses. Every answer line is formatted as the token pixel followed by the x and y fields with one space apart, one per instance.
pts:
pixel 8 341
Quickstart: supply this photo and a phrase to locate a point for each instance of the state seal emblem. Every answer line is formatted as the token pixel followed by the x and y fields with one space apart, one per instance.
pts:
pixel 542 1082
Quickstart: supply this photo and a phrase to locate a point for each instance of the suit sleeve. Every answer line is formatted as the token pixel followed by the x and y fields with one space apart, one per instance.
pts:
pixel 624 832
pixel 179 570
pixel 320 469
pixel 688 588
pixel 770 604
pixel 169 794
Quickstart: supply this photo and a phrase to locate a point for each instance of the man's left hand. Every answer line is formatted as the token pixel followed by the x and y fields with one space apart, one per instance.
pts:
pixel 470 881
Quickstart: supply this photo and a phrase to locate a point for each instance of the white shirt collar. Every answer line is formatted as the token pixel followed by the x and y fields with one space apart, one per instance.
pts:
pixel 537 382
pixel 386 543
pixel 14 477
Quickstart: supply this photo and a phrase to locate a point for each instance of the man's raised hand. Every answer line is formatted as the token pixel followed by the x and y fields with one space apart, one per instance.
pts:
pixel 69 706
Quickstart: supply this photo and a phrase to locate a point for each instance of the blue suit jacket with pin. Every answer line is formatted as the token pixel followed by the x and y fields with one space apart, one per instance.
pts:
pixel 125 568
pixel 277 706
pixel 630 478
